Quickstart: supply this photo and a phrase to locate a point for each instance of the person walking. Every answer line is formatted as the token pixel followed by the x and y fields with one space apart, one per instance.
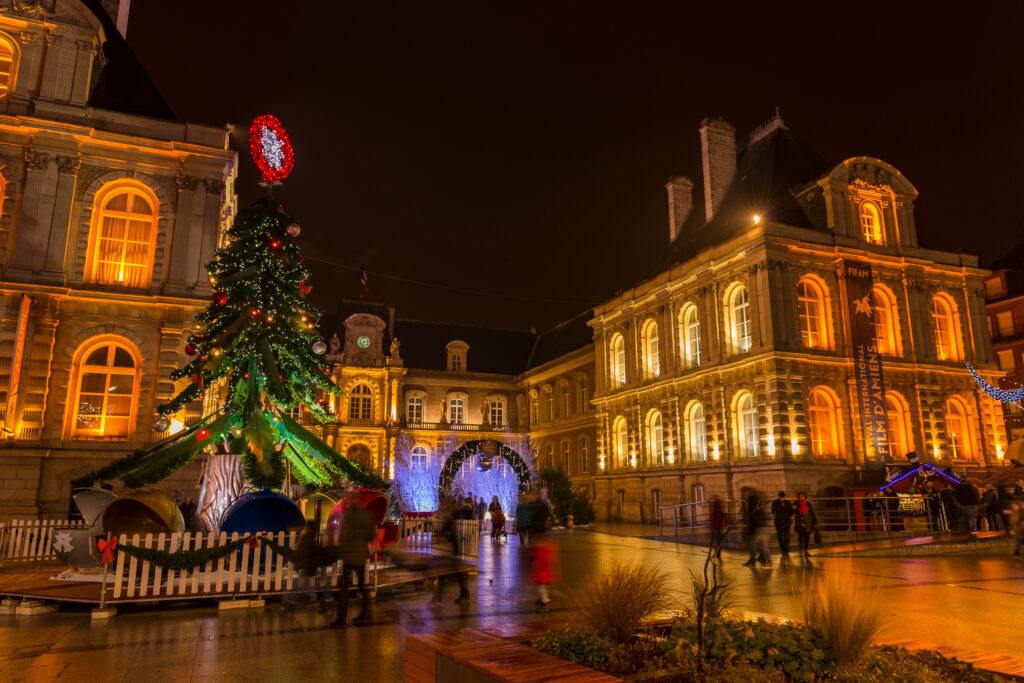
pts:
pixel 544 571
pixel 782 512
pixel 1004 499
pixel 931 506
pixel 717 525
pixel 967 500
pixel 497 519
pixel 949 507
pixel 759 525
pixel 990 506
pixel 481 509
pixel 452 531
pixel 358 529
pixel 804 522
pixel 1016 519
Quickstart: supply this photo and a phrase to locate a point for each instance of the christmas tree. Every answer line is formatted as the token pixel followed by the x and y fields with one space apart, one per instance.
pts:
pixel 259 337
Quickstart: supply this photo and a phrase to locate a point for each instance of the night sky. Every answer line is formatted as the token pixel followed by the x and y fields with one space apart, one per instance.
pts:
pixel 522 150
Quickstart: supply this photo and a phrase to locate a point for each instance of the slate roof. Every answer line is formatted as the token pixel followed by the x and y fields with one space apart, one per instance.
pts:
pixel 122 85
pixel 491 350
pixel 767 172
pixel 564 338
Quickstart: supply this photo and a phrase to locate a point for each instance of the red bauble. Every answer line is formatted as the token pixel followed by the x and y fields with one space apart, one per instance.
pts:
pixel 191 349
pixel 220 298
pixel 196 379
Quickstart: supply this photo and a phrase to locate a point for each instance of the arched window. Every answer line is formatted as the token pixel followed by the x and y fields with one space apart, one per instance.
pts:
pixel 746 423
pixel 691 336
pixel 813 314
pixel 656 438
pixel 649 337
pixel 620 442
pixel 584 457
pixel 617 361
pixel 360 403
pixel 565 456
pixel 420 456
pixel 739 319
pixel 414 410
pixel 8 64
pixel 457 410
pixel 584 393
pixel 871 223
pixel 885 321
pixel 123 235
pixel 697 428
pixel 946 328
pixel 958 429
pixel 106 385
pixel 360 454
pixel 899 433
pixel 822 415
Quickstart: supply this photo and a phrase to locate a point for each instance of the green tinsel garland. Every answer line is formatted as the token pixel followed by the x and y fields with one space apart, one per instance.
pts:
pixel 181 560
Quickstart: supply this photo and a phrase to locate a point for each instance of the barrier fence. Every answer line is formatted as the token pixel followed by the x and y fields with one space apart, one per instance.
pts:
pixel 31 540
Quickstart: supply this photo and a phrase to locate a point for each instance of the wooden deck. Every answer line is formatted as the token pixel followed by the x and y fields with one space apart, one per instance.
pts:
pixel 31 580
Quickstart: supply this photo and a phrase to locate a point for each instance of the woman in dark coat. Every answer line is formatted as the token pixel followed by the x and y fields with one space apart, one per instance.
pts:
pixel 804 521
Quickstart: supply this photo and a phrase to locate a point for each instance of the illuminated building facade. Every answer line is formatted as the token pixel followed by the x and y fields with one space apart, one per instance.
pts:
pixel 110 209
pixel 1004 292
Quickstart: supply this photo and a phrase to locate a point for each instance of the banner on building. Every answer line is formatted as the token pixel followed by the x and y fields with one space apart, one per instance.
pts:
pixel 20 339
pixel 867 362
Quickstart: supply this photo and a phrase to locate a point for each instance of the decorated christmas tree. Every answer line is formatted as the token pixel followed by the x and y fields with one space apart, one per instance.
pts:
pixel 259 337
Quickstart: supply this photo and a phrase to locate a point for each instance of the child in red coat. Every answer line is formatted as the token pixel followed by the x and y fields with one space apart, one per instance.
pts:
pixel 544 571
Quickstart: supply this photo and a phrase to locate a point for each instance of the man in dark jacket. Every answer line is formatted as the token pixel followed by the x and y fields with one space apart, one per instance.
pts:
pixel 948 499
pixel 967 499
pixel 759 524
pixel 354 550
pixel 782 512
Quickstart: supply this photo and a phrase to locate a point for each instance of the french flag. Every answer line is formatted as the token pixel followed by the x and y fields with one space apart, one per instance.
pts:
pixel 365 280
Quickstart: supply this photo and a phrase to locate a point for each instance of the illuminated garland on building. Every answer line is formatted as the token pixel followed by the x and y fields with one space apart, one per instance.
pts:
pixel 1014 396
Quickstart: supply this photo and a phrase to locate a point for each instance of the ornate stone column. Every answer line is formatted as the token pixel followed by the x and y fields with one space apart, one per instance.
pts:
pixel 60 222
pixel 182 222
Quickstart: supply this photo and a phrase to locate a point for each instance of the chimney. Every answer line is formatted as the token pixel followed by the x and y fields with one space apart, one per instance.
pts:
pixel 718 154
pixel 680 202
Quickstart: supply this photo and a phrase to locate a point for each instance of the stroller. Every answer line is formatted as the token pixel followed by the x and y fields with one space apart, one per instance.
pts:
pixel 498 526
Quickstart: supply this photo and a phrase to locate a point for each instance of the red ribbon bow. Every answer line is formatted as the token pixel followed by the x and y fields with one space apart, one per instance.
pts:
pixel 253 541
pixel 107 548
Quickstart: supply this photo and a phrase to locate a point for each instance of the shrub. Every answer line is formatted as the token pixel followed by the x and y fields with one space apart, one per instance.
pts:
pixel 843 606
pixel 585 648
pixel 583 509
pixel 616 602
pixel 565 499
pixel 795 650
pixel 718 597
pixel 636 655
pixel 893 664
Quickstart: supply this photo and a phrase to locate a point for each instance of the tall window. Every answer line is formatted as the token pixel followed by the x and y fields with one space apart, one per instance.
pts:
pixel 899 441
pixel 584 457
pixel 360 403
pixel 871 223
pixel 7 63
pixel 584 393
pixel 564 388
pixel 739 319
pixel 550 397
pixel 946 329
pixel 746 420
pixel 106 393
pixel 456 411
pixel 821 409
pixel 691 336
pixel 420 455
pixel 534 410
pixel 550 461
pixel 813 314
pixel 958 429
pixel 123 235
pixel 652 361
pixel 656 438
pixel 620 442
pixel 565 456
pixel 496 412
pixel 885 322
pixel 698 433
pixel 414 410
pixel 618 360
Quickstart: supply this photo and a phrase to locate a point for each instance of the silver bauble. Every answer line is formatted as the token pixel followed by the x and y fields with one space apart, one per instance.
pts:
pixel 319 348
pixel 294 229
pixel 484 464
pixel 161 424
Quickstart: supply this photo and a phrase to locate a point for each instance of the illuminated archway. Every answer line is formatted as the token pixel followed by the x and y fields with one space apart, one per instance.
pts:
pixel 471 448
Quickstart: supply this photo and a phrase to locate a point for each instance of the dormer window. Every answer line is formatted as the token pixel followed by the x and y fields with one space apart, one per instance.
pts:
pixel 871 223
pixel 457 352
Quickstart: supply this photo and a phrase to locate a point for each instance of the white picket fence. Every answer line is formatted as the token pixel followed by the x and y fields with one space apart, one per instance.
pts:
pixel 27 540
pixel 425 534
pixel 247 571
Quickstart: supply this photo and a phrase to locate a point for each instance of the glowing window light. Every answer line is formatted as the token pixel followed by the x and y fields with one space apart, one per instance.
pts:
pixel 771 445
pixel 715 452
pixel 795 446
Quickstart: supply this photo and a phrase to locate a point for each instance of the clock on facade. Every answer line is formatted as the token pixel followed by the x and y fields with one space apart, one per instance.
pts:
pixel 364 342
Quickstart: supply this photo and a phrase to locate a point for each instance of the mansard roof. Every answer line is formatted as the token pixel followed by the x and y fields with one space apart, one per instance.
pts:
pixel 491 350
pixel 122 85
pixel 767 172
pixel 562 339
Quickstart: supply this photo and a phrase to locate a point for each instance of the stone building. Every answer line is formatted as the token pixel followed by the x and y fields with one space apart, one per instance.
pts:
pixel 110 209
pixel 1004 292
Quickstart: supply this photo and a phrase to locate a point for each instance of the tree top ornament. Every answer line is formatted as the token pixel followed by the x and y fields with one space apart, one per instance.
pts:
pixel 271 149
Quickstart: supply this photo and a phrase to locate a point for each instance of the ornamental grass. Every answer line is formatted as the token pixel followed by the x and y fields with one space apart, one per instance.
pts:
pixel 615 603
pixel 843 606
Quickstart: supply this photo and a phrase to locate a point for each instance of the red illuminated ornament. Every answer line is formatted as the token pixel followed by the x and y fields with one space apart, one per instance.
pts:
pixel 191 349
pixel 196 379
pixel 220 298
pixel 255 312
pixel 203 433
pixel 275 244
pixel 271 149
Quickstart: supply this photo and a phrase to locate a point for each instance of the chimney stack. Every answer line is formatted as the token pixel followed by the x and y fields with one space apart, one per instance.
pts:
pixel 718 154
pixel 680 202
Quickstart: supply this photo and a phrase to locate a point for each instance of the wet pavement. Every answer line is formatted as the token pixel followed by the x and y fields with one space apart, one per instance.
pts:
pixel 963 601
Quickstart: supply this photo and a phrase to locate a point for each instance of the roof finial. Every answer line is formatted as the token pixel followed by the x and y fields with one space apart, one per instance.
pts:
pixel 774 123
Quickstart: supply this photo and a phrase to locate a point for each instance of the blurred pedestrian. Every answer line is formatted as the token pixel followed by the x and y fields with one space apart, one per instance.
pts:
pixel 497 519
pixel 544 571
pixel 759 525
pixel 949 507
pixel 717 524
pixel 358 529
pixel 967 500
pixel 892 510
pixel 526 514
pixel 782 512
pixel 805 522
pixel 990 505
pixel 931 506
pixel 869 508
pixel 452 530
pixel 1004 501
pixel 1016 518
pixel 481 509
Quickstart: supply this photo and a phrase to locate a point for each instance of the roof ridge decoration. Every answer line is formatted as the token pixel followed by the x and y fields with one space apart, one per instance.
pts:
pixel 774 123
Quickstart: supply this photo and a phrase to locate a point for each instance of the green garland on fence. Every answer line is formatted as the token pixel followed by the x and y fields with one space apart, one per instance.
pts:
pixel 181 560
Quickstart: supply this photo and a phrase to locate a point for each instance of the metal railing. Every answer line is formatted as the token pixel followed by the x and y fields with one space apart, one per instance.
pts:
pixel 868 516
